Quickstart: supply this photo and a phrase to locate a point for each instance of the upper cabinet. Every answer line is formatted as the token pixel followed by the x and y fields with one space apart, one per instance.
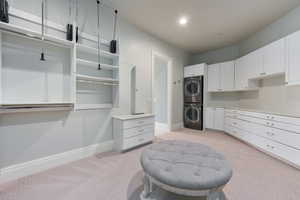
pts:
pixel 194 70
pixel 221 77
pixel 293 59
pixel 213 73
pixel 227 76
pixel 274 58
pixel 241 74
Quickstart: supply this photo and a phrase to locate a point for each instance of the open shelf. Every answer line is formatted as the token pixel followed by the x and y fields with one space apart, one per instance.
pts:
pixel 235 90
pixel 35 107
pixel 93 106
pixel 96 79
pixel 95 64
pixel 18 30
pixel 91 50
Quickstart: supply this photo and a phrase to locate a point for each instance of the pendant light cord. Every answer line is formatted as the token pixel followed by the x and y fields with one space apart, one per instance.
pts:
pixel 98 26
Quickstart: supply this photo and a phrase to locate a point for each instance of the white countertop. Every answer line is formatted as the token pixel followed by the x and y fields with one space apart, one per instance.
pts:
pixel 128 117
pixel 258 111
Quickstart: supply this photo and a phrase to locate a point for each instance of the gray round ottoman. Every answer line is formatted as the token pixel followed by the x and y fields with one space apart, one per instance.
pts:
pixel 184 168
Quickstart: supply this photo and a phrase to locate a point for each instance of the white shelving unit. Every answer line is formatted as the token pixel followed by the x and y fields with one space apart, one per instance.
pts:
pixel 70 79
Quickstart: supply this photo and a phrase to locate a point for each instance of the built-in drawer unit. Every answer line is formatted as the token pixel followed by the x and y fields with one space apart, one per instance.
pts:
pixel 132 131
pixel 278 135
pixel 138 122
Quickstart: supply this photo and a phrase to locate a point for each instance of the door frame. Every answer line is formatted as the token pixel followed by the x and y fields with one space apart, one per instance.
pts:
pixel 169 84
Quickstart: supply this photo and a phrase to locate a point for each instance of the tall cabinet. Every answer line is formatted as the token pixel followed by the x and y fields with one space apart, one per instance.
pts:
pixel 293 59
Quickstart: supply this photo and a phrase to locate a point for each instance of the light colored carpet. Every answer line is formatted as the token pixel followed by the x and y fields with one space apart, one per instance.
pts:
pixel 113 176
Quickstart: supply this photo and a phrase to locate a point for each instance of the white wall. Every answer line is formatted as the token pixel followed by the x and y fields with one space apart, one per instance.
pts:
pixel 24 137
pixel 160 90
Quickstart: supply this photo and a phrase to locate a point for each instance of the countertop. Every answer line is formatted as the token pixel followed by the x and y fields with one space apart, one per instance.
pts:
pixel 258 111
pixel 128 117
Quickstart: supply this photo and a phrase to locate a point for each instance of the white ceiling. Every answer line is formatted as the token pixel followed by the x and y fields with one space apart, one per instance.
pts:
pixel 213 23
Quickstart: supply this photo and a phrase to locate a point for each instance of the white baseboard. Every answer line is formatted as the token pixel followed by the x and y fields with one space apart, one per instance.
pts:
pixel 35 166
pixel 177 126
pixel 161 128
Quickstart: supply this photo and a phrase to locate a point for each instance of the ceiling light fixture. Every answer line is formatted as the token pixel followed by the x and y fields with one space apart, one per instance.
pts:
pixel 183 21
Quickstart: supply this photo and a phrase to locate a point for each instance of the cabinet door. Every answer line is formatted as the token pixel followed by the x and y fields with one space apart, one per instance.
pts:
pixel 254 64
pixel 194 70
pixel 219 119
pixel 274 57
pixel 293 58
pixel 241 78
pixel 227 75
pixel 213 74
pixel 209 118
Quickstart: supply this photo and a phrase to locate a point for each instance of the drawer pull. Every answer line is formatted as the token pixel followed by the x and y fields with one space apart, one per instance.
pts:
pixel 270 134
pixel 142 130
pixel 141 139
pixel 140 122
pixel 269 146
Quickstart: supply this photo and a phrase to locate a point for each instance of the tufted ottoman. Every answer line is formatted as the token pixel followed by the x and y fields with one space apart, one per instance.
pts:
pixel 184 168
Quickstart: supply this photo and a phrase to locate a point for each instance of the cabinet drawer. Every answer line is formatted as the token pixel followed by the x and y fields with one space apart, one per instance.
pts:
pixel 285 137
pixel 283 119
pixel 137 122
pixel 290 154
pixel 137 140
pixel 128 133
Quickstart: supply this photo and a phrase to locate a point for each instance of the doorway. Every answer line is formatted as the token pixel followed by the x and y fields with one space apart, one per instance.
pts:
pixel 161 92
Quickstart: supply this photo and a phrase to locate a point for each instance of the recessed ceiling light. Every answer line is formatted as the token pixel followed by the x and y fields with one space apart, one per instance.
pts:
pixel 183 21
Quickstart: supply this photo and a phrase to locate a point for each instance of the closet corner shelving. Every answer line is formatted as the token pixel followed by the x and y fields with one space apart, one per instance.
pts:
pixel 95 89
pixel 72 81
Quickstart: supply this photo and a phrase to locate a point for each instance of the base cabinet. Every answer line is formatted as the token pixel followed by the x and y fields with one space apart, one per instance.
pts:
pixel 214 118
pixel 130 132
pixel 260 130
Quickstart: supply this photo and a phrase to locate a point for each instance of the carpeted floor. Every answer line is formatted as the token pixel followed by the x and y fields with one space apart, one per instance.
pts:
pixel 113 176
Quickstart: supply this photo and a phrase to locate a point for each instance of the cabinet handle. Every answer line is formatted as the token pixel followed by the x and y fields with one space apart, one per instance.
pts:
pixel 141 139
pixel 142 130
pixel 270 134
pixel 141 122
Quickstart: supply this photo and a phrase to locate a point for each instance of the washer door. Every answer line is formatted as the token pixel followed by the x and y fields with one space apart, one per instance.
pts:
pixel 192 88
pixel 192 114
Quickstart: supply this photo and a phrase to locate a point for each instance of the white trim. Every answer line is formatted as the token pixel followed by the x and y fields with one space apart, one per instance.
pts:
pixel 177 126
pixel 35 166
pixel 170 83
pixel 161 129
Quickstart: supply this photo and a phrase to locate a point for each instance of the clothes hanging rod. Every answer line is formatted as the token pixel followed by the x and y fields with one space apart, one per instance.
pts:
pixel 98 82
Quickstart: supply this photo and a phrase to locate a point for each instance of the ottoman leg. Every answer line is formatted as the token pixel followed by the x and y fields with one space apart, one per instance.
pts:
pixel 147 187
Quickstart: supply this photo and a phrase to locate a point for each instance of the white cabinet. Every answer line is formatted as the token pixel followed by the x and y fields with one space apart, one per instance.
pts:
pixel 274 58
pixel 277 135
pixel 209 118
pixel 214 118
pixel 221 77
pixel 254 64
pixel 227 75
pixel 241 76
pixel 194 70
pixel 213 76
pixel 132 130
pixel 219 119
pixel 293 58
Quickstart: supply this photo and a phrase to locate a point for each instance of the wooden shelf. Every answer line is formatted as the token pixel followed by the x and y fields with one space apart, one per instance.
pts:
pixel 18 30
pixel 93 106
pixel 97 79
pixel 91 50
pixel 95 65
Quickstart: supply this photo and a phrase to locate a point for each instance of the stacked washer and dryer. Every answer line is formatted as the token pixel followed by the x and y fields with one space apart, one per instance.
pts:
pixel 194 96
